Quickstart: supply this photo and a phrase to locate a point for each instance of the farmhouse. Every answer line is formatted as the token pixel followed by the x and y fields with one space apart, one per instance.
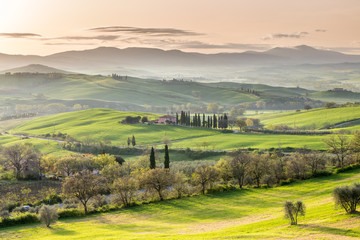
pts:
pixel 167 119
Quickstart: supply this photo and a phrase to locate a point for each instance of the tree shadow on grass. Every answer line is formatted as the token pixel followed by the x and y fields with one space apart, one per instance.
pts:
pixel 331 230
pixel 62 231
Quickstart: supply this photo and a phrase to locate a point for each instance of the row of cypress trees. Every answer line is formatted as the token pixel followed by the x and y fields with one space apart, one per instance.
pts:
pixel 198 121
pixel 166 158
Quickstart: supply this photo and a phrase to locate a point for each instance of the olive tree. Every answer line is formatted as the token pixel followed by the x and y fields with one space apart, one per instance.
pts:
pixel 83 186
pixel 48 215
pixel 205 176
pixel 239 165
pixel 347 197
pixel 293 210
pixel 158 180
pixel 22 159
pixel 125 188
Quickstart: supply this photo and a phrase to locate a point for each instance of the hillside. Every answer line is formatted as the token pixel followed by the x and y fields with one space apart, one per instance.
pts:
pixel 342 96
pixel 104 123
pixel 254 213
pixel 137 92
pixel 312 119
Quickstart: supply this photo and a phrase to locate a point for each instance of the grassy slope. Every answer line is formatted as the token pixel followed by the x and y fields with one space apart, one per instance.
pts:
pixel 134 90
pixel 340 97
pixel 320 117
pixel 45 147
pixel 247 140
pixel 251 214
pixel 100 123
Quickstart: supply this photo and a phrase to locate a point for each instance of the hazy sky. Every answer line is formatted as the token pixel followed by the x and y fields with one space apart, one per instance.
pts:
pixel 47 26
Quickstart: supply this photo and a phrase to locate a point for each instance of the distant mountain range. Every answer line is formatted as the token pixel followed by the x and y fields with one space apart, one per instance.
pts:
pixel 153 61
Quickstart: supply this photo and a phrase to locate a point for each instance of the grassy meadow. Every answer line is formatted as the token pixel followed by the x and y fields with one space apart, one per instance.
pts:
pixel 315 118
pixel 104 123
pixel 248 213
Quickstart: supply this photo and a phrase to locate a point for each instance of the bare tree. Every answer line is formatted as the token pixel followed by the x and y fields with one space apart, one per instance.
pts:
pixel 258 167
pixel 205 176
pixel 340 146
pixel 158 179
pixel 293 210
pixel 239 167
pixel 83 186
pixel 315 162
pixel 21 158
pixel 296 166
pixel 125 188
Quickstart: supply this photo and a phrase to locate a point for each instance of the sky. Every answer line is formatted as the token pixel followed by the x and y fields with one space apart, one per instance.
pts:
pixel 43 27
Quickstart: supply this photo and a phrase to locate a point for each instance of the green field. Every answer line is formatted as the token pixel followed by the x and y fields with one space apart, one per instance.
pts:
pixel 104 123
pixel 249 213
pixel 43 146
pixel 132 91
pixel 318 118
pixel 232 141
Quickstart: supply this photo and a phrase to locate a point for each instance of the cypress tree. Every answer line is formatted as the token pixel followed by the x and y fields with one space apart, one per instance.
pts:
pixel 167 158
pixel 199 120
pixel 208 122
pixel 226 121
pixel 152 159
pixel 214 121
pixel 203 123
pixel 177 119
pixel 133 141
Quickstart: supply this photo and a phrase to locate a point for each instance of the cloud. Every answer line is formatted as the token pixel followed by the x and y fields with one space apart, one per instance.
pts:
pixel 19 35
pixel 68 43
pixel 320 30
pixel 238 46
pixel 171 43
pixel 160 32
pixel 76 38
pixel 296 35
pixel 285 35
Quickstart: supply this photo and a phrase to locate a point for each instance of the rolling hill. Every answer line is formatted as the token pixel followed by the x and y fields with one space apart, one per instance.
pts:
pixel 35 68
pixel 104 123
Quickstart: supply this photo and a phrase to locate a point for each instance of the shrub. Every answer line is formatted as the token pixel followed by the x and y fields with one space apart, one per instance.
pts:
pixel 23 218
pixel 286 182
pixel 48 215
pixel 4 214
pixel 71 212
pixel 347 168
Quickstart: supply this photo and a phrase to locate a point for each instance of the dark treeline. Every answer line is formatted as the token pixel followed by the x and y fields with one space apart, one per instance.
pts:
pixel 201 120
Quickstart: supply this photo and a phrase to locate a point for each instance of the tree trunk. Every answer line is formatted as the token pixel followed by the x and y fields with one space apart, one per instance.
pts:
pixel 203 188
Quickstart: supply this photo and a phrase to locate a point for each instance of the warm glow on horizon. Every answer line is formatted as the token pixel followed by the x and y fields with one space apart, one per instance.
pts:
pixel 44 27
